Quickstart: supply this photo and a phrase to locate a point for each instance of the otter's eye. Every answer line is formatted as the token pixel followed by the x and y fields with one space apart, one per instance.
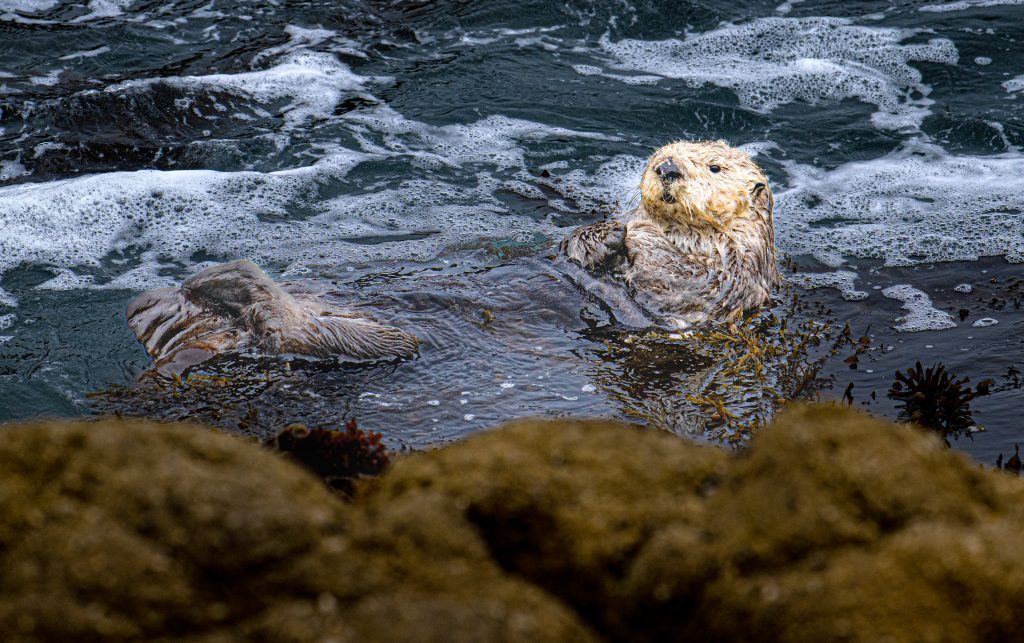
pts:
pixel 715 169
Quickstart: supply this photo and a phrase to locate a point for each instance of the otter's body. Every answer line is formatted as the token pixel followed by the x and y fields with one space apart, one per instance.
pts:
pixel 701 245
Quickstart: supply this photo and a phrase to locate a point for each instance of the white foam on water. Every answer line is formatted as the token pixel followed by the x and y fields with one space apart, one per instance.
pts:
pixel 315 83
pixel 591 70
pixel 841 280
pixel 774 61
pixel 786 7
pixel 492 141
pixel 6 321
pixel 962 5
pixel 162 219
pixel 104 9
pixel 921 315
pixel 1015 84
pixel 301 38
pixel 164 216
pixel 615 183
pixel 984 322
pixel 1003 138
pixel 915 205
pixel 587 70
pixel 12 169
pixel 755 148
pixel 28 6
pixel 48 80
pixel 207 11
pixel 88 53
pixel 46 146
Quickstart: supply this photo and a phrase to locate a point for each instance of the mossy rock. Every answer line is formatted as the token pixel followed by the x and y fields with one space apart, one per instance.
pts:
pixel 118 530
pixel 831 526
pixel 838 526
pixel 565 504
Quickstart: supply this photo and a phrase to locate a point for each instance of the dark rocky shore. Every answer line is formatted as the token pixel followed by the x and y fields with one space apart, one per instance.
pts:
pixel 831 526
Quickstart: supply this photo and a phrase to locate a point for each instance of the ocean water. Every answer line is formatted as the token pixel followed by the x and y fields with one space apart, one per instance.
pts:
pixel 422 159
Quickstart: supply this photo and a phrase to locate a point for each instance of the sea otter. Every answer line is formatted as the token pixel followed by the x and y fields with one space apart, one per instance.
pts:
pixel 700 245
pixel 237 307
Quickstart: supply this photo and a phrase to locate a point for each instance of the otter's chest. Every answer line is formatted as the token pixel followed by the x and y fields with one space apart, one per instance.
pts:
pixel 710 244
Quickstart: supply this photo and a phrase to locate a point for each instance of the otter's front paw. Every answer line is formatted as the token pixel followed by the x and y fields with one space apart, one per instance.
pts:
pixel 644 241
pixel 595 244
pixel 615 238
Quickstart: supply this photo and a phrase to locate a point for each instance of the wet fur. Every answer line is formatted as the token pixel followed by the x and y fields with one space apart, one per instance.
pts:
pixel 237 307
pixel 698 247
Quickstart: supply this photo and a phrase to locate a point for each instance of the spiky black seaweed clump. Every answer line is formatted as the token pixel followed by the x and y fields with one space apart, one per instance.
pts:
pixel 935 399
pixel 339 457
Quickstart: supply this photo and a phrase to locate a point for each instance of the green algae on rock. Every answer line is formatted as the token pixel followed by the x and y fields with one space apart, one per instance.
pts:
pixel 838 526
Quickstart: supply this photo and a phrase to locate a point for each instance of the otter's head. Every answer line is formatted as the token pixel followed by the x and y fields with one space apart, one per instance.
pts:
pixel 704 184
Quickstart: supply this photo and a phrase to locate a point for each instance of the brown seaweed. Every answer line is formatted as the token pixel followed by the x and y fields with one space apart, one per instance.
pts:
pixel 339 457
pixel 935 399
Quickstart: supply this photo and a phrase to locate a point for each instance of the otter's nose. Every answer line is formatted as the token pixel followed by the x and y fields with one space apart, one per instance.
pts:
pixel 669 172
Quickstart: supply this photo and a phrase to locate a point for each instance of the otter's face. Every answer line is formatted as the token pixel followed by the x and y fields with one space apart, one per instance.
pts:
pixel 703 184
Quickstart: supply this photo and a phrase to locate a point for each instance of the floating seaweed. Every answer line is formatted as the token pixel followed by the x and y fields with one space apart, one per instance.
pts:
pixel 935 399
pixel 1013 463
pixel 241 394
pixel 339 457
pixel 722 380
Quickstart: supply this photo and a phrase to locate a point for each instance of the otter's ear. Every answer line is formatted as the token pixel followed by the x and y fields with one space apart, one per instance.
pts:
pixel 761 200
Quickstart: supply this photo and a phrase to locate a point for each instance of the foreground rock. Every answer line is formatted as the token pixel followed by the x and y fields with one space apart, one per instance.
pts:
pixel 833 526
pixel 127 530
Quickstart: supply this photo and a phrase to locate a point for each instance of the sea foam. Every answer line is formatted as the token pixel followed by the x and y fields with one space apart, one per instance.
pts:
pixel 842 280
pixel 28 6
pixel 773 61
pixel 921 315
pixel 313 82
pixel 963 5
pixel 136 229
pixel 917 204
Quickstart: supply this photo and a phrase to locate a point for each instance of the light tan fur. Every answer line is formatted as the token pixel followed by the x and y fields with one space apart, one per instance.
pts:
pixel 236 307
pixel 701 244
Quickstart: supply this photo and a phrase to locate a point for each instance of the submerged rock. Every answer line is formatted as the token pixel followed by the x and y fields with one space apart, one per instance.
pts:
pixel 831 526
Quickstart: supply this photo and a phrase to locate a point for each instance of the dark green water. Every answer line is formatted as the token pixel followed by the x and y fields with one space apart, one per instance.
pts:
pixel 422 158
